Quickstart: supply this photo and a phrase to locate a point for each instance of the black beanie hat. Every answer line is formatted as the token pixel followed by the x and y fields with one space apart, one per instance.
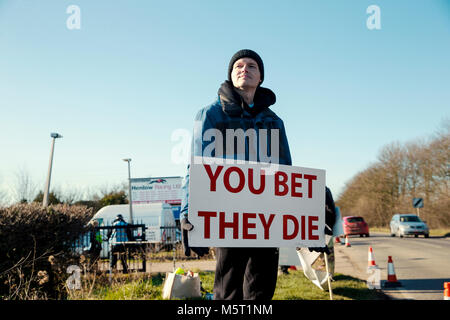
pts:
pixel 246 53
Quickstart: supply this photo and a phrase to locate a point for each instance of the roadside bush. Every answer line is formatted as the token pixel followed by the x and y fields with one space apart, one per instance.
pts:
pixel 35 248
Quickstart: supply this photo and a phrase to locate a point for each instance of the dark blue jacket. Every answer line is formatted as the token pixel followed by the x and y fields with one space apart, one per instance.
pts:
pixel 229 111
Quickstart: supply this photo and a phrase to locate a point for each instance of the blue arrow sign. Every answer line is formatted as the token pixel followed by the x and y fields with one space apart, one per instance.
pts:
pixel 418 203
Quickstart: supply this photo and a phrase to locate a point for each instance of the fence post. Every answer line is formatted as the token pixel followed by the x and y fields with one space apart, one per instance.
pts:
pixel 144 259
pixel 173 249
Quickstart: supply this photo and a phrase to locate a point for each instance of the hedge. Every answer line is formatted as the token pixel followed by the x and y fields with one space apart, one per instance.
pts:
pixel 35 244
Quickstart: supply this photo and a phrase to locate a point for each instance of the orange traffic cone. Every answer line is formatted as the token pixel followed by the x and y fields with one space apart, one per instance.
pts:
pixel 337 240
pixel 391 278
pixel 371 259
pixel 347 244
pixel 446 290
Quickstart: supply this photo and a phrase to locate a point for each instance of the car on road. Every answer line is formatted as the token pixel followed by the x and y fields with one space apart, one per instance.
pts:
pixel 355 225
pixel 408 224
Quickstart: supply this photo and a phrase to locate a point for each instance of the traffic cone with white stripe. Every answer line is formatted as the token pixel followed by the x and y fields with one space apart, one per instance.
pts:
pixel 347 244
pixel 391 277
pixel 446 290
pixel 371 259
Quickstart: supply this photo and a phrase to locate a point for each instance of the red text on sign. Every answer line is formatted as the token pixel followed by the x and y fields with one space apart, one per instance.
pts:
pixel 233 224
pixel 290 220
pixel 284 184
pixel 304 228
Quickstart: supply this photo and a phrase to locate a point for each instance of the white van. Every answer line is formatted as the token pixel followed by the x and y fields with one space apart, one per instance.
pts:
pixel 157 217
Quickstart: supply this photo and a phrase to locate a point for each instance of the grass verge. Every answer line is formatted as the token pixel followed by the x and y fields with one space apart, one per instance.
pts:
pixel 292 286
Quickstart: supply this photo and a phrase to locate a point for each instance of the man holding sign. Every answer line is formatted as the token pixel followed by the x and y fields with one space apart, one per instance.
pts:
pixel 241 194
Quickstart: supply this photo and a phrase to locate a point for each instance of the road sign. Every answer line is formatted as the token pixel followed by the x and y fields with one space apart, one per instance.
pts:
pixel 418 202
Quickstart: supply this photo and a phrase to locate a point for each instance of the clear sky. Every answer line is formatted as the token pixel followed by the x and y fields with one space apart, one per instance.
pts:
pixel 138 71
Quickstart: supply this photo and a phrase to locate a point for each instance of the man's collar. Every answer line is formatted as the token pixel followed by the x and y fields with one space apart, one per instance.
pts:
pixel 233 104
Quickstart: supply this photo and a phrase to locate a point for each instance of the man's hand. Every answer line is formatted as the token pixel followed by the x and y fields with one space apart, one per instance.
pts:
pixel 186 226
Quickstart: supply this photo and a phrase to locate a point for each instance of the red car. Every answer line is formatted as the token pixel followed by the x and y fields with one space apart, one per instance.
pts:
pixel 354 225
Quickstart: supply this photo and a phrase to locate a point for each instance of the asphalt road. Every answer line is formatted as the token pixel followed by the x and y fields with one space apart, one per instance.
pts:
pixel 421 265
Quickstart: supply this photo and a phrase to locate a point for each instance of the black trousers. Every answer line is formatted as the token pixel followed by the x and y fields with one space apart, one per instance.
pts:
pixel 118 249
pixel 245 273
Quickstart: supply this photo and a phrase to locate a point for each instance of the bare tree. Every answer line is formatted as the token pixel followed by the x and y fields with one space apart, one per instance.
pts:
pixel 24 189
pixel 107 189
pixel 70 194
pixel 4 197
pixel 420 168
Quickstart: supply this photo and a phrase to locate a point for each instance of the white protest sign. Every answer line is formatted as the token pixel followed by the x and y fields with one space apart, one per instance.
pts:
pixel 241 205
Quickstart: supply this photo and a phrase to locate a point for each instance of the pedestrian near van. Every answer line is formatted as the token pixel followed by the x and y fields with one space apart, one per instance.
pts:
pixel 119 236
pixel 96 241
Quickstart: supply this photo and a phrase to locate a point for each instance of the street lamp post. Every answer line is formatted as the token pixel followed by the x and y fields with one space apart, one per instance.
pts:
pixel 54 136
pixel 129 190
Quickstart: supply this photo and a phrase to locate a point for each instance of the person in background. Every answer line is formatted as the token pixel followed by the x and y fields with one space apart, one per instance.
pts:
pixel 96 243
pixel 119 235
pixel 330 220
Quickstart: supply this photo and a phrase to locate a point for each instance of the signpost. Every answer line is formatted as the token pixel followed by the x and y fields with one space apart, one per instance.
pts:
pixel 417 203
pixel 246 205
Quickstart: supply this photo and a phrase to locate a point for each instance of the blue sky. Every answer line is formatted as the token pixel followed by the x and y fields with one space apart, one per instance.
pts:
pixel 137 71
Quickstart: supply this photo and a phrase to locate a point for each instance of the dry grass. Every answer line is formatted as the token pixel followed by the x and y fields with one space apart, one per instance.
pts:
pixel 292 286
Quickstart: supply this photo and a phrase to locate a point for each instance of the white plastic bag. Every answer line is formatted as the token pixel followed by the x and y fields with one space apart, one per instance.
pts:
pixel 181 286
pixel 307 259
